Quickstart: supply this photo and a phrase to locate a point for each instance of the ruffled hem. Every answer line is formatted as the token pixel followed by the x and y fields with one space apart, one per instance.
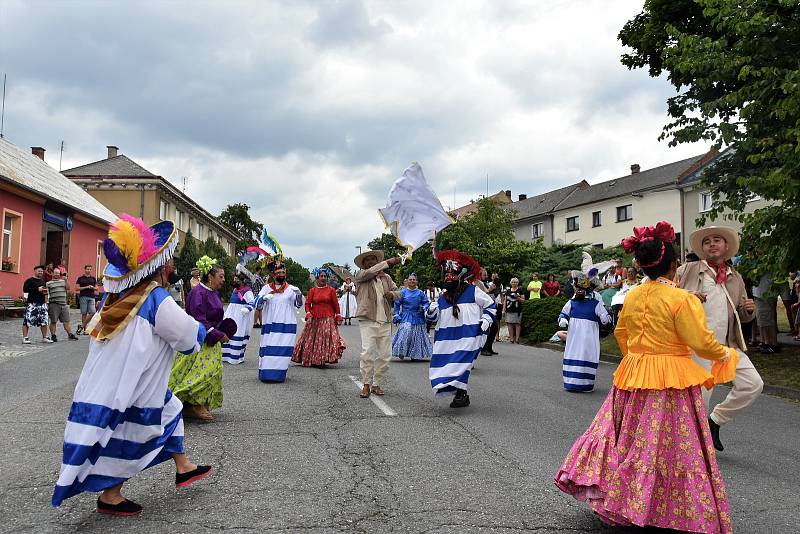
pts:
pixel 662 371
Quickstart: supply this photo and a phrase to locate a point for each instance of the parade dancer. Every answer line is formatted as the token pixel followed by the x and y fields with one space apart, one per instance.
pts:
pixel 647 457
pixel 123 417
pixel 278 301
pixel 320 342
pixel 240 310
pixel 464 315
pixel 583 313
pixel 347 302
pixel 721 290
pixel 374 295
pixel 411 340
pixel 196 379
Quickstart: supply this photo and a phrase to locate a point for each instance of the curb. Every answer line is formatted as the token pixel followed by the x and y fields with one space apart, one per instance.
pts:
pixel 775 391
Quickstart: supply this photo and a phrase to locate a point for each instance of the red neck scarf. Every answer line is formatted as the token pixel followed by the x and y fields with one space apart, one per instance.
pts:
pixel 276 290
pixel 722 271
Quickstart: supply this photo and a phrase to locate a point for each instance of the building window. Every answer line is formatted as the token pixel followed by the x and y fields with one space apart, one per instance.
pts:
pixel 597 246
pixel 573 224
pixel 198 230
pixel 596 220
pixel 625 213
pixel 537 230
pixel 12 237
pixel 163 210
pixel 178 219
pixel 706 201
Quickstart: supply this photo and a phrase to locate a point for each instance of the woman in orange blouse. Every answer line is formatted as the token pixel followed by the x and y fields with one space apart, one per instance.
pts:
pixel 647 458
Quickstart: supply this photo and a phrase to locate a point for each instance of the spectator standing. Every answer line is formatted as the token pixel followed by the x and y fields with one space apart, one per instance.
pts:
pixel 535 287
pixel 498 300
pixel 551 287
pixel 57 306
pixel 767 315
pixel 789 297
pixel 87 285
pixel 195 279
pixel 255 285
pixel 569 286
pixel 177 293
pixel 493 290
pixel 48 272
pixel 35 290
pixel 512 309
pixel 615 276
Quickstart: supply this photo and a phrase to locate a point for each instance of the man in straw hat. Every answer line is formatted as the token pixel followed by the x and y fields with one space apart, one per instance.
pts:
pixel 374 295
pixel 721 289
pixel 123 417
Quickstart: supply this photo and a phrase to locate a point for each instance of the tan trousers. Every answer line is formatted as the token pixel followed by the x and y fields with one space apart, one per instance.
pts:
pixel 376 344
pixel 746 387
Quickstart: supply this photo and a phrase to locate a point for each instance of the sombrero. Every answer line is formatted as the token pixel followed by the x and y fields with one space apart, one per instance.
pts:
pixel 359 260
pixel 726 232
pixel 135 251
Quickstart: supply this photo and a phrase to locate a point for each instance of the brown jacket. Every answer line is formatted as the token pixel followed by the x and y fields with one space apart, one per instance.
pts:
pixel 690 278
pixel 367 297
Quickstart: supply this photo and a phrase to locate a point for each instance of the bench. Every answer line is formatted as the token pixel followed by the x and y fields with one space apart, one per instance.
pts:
pixel 7 306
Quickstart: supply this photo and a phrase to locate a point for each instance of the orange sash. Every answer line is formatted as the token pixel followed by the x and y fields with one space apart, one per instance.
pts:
pixel 117 312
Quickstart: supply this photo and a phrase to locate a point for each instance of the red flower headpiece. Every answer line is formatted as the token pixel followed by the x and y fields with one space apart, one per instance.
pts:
pixel 455 261
pixel 663 231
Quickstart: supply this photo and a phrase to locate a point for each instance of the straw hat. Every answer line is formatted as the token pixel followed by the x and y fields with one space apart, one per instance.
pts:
pixel 727 233
pixel 359 260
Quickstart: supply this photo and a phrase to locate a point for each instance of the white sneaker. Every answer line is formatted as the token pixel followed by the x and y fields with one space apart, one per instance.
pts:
pixel 46 340
pixel 26 341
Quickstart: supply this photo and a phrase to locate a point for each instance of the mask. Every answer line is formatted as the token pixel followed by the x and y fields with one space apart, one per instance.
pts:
pixel 280 279
pixel 580 294
pixel 173 278
pixel 236 285
pixel 451 285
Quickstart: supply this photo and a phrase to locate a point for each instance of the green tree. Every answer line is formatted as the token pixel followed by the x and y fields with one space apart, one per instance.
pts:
pixel 237 217
pixel 298 275
pixel 214 250
pixel 186 259
pixel 734 65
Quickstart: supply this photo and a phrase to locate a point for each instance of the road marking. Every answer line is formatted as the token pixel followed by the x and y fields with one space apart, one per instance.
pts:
pixel 375 399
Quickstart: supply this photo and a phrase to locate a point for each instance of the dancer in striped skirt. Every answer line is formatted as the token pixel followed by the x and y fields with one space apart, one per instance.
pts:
pixel 463 314
pixel 123 418
pixel 582 313
pixel 240 309
pixel 278 300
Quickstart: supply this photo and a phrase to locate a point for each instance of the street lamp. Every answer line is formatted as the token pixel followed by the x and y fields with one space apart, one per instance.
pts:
pixel 359 248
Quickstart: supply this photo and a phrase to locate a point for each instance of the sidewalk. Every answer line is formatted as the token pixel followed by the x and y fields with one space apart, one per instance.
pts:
pixel 11 337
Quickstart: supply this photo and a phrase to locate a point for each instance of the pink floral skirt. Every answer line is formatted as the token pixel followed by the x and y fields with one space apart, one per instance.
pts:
pixel 319 343
pixel 647 460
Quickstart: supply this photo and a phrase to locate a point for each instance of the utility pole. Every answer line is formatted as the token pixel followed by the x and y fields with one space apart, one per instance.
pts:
pixel 61 156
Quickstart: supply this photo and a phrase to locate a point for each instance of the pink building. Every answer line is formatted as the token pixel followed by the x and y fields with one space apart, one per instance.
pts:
pixel 45 218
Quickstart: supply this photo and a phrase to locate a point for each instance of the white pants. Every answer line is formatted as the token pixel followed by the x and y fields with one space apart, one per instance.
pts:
pixel 376 344
pixel 746 387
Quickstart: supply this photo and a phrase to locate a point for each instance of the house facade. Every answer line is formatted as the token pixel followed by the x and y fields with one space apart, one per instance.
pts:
pixel 124 186
pixel 533 216
pixel 46 219
pixel 500 198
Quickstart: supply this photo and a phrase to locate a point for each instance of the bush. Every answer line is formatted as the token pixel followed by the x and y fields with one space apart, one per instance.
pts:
pixel 540 318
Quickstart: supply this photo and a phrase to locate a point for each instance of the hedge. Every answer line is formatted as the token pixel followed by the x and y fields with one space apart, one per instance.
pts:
pixel 540 318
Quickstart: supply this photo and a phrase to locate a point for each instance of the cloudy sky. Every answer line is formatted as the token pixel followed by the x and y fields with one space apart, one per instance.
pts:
pixel 308 111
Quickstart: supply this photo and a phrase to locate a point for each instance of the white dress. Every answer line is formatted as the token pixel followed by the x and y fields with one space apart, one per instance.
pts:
pixel 123 418
pixel 347 302
pixel 240 309
pixel 278 330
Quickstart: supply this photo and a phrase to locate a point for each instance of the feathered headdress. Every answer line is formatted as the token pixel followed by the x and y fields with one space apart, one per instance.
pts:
pixel 134 251
pixel 315 272
pixel 453 261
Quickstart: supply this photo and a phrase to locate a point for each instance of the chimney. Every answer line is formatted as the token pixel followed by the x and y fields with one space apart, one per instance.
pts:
pixel 112 151
pixel 508 193
pixel 635 168
pixel 523 196
pixel 38 152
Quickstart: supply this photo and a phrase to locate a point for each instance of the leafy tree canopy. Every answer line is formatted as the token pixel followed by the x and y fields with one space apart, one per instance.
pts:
pixel 734 65
pixel 298 275
pixel 237 217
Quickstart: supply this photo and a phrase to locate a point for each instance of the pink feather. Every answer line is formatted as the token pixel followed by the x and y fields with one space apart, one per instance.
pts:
pixel 149 247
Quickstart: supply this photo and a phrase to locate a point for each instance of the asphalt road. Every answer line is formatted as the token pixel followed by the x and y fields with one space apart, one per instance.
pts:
pixel 309 455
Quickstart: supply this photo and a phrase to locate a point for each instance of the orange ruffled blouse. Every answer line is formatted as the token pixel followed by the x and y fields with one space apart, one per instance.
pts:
pixel 659 327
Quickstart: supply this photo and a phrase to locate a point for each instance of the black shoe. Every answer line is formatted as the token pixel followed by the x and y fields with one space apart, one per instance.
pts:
pixel 125 508
pixel 767 349
pixel 256 326
pixel 184 479
pixel 715 435
pixel 73 337
pixel 493 353
pixel 485 353
pixel 79 330
pixel 461 400
pixel 53 338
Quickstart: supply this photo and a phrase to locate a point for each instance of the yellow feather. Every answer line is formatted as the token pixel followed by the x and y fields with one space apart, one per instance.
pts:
pixel 128 240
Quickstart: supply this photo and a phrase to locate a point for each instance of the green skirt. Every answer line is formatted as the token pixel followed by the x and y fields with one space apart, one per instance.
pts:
pixel 197 378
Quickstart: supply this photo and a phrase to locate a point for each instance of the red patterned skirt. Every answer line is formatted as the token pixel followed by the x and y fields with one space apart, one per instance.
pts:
pixel 647 460
pixel 319 343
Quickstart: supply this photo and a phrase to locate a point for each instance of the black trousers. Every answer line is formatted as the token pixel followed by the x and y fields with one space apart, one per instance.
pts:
pixel 490 335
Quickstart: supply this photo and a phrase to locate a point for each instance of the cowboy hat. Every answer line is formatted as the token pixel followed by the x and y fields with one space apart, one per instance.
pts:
pixel 730 235
pixel 359 260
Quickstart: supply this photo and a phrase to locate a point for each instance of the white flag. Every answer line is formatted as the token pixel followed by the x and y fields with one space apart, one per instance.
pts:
pixel 414 211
